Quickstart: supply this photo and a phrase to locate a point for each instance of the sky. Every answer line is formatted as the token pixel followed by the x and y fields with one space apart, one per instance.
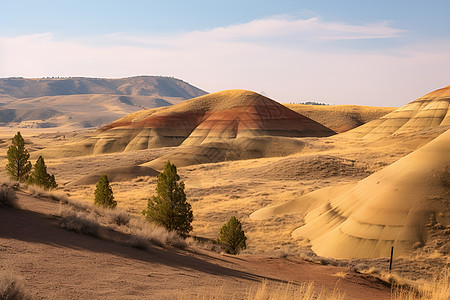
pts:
pixel 365 52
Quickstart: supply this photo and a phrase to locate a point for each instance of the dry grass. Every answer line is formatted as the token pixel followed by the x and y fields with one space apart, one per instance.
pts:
pixel 81 222
pixel 12 287
pixel 270 291
pixel 144 234
pixel 54 195
pixel 8 196
pixel 88 219
pixel 436 289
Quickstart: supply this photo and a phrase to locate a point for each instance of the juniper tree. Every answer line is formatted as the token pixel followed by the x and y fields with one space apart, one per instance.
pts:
pixel 232 236
pixel 169 207
pixel 104 194
pixel 18 166
pixel 40 177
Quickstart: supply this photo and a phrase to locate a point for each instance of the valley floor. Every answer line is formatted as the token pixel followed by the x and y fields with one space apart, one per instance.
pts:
pixel 57 264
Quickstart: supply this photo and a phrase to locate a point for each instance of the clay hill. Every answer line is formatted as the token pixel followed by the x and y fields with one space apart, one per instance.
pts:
pixel 389 208
pixel 227 125
pixel 85 102
pixel 429 111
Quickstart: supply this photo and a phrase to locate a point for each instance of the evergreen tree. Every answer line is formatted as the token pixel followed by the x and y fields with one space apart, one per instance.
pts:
pixel 40 177
pixel 169 207
pixel 232 235
pixel 18 166
pixel 104 194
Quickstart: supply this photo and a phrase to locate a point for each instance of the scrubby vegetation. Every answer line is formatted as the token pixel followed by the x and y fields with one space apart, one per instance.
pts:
pixel 12 287
pixel 8 196
pixel 169 207
pixel 81 222
pixel 268 290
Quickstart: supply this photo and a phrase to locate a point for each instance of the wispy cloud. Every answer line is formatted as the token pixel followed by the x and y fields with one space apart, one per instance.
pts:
pixel 267 30
pixel 276 55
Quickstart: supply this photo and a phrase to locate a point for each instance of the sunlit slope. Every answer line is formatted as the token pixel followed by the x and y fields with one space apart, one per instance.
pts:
pixel 303 204
pixel 341 118
pixel 431 110
pixel 388 208
pixel 226 116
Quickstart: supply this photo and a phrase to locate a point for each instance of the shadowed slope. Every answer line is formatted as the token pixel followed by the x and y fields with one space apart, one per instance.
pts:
pixel 390 207
pixel 431 110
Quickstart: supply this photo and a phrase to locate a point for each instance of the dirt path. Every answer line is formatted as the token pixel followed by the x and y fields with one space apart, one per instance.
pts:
pixel 59 264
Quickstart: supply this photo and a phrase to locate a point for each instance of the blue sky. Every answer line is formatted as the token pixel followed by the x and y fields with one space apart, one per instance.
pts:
pixel 384 53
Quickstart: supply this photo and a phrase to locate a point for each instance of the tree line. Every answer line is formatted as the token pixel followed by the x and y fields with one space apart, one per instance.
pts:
pixel 168 207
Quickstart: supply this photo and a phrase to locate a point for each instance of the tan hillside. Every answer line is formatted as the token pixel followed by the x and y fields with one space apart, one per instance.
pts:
pixel 340 118
pixel 388 208
pixel 85 102
pixel 431 110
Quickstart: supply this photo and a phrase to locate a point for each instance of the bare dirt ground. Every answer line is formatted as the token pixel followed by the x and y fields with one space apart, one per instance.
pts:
pixel 59 264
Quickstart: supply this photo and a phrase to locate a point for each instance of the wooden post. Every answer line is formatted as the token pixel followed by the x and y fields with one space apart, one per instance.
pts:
pixel 390 261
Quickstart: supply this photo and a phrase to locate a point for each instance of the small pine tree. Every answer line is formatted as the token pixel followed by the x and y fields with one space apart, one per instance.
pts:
pixel 169 207
pixel 18 166
pixel 104 194
pixel 232 235
pixel 40 177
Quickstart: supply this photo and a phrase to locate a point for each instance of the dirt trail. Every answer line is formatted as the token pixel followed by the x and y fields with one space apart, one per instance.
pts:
pixel 59 264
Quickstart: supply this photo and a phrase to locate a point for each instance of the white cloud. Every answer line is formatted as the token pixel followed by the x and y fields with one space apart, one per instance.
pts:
pixel 273 55
pixel 272 29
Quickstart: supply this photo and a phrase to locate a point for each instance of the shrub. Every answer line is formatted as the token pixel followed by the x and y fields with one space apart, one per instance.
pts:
pixel 118 217
pixel 11 287
pixel 232 235
pixel 144 233
pixel 104 194
pixel 80 222
pixel 8 196
pixel 18 166
pixel 40 177
pixel 169 207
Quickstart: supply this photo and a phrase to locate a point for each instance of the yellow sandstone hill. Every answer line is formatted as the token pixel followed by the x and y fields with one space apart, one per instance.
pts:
pixel 389 208
pixel 431 110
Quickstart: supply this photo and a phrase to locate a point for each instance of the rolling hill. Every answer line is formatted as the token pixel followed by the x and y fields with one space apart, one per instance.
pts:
pixel 85 102
pixel 228 125
pixel 429 111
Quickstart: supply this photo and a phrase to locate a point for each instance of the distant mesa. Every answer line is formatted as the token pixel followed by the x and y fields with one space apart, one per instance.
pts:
pixel 429 111
pixel 132 86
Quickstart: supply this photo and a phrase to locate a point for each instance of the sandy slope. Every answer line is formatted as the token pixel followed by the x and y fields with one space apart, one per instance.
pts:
pixel 429 111
pixel 59 264
pixel 390 207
